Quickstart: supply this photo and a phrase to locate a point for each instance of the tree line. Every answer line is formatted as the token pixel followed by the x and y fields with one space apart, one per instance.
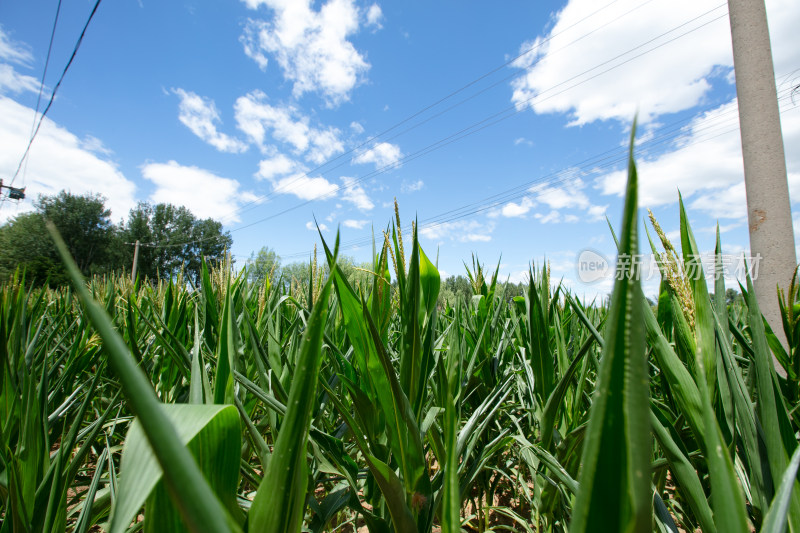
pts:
pixel 172 239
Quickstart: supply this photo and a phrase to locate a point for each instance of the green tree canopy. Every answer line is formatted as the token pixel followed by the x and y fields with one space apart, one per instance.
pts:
pixel 265 264
pixel 84 223
pixel 172 238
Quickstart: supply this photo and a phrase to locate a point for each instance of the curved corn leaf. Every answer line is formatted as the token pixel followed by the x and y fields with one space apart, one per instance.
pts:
pixel 778 432
pixel 775 521
pixel 685 474
pixel 192 493
pixel 211 433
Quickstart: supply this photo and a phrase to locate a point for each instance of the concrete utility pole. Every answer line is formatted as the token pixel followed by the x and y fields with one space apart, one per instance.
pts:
pixel 768 210
pixel 135 261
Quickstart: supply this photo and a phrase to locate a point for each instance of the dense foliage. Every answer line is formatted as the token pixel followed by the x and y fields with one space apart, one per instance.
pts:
pixel 172 238
pixel 353 404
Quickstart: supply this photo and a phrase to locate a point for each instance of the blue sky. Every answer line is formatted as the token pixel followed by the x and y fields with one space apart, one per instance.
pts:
pixel 502 127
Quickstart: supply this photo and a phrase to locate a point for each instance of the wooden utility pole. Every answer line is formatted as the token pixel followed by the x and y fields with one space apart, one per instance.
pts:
pixel 769 212
pixel 135 261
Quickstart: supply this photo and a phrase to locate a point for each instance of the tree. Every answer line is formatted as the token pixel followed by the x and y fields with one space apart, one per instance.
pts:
pixel 83 222
pixel 455 289
pixel 85 225
pixel 173 239
pixel 732 295
pixel 25 243
pixel 265 264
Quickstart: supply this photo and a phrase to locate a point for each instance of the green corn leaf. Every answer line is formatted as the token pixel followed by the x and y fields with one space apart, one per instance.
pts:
pixel 685 474
pixel 387 480
pixel 211 433
pixel 747 426
pixel 404 434
pixel 281 511
pixel 704 321
pixel 775 521
pixel 411 353
pixel 614 491
pixel 200 508
pixel 538 342
pixel 198 378
pixel 84 518
pixel 684 390
pixel 727 499
pixel 228 348
pixel 556 399
pixel 778 433
pixel 430 280
pixel 451 499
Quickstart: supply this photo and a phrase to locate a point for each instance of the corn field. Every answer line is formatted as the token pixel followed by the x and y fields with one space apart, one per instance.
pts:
pixel 230 406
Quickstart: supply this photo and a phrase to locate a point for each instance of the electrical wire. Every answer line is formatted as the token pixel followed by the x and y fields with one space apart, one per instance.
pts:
pixel 55 88
pixel 723 124
pixel 41 85
pixel 487 121
pixel 494 118
pixel 355 150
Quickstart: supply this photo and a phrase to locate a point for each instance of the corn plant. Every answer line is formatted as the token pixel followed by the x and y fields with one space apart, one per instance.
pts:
pixel 219 404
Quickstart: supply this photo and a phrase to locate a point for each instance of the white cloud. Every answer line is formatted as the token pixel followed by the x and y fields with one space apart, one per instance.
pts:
pixel 356 127
pixel 205 194
pixel 381 154
pixel 256 118
pixel 58 160
pixel 729 202
pixel 275 166
pixel 93 144
pixel 668 79
pixel 201 116
pixel 412 187
pixel 597 212
pixel 12 81
pixel 784 19
pixel 313 227
pixel 324 144
pixel 14 52
pixel 375 16
pixel 355 194
pixel 705 164
pixel 460 230
pixel 567 193
pixel 355 224
pixel 305 187
pixel 552 216
pixel 513 209
pixel 311 47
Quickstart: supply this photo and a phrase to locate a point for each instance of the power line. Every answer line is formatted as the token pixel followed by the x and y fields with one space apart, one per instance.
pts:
pixel 287 187
pixel 55 89
pixel 720 126
pixel 497 117
pixel 39 97
pixel 41 85
pixel 488 121
pixel 450 95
